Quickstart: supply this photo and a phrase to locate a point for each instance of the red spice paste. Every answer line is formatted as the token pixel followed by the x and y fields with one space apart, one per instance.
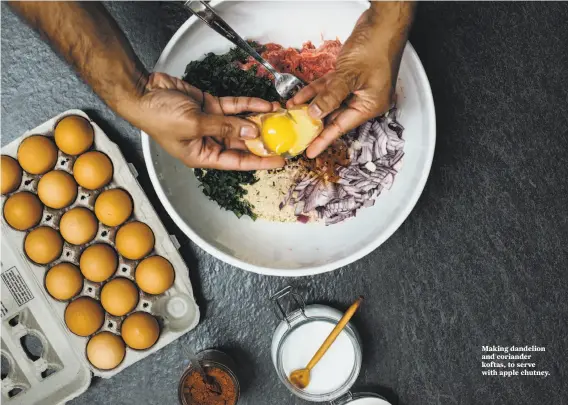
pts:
pixel 195 391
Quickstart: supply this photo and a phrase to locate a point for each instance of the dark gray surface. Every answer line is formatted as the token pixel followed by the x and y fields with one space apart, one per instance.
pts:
pixel 481 260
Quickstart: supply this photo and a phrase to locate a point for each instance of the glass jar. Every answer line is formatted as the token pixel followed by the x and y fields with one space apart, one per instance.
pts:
pixel 302 330
pixel 360 398
pixel 300 333
pixel 207 359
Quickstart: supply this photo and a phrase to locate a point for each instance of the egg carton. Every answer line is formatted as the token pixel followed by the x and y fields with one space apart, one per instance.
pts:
pixel 28 310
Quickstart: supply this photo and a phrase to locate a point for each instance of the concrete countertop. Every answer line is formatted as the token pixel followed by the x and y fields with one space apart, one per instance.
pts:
pixel 481 260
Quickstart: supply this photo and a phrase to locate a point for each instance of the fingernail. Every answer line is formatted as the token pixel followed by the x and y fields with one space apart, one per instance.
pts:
pixel 314 111
pixel 248 132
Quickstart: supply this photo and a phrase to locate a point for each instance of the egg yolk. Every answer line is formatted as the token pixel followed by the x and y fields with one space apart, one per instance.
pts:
pixel 287 133
pixel 278 133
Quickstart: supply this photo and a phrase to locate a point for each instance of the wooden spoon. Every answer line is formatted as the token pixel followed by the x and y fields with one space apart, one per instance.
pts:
pixel 301 378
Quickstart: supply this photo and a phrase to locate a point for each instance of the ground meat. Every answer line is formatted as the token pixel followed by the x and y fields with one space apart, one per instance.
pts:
pixel 309 63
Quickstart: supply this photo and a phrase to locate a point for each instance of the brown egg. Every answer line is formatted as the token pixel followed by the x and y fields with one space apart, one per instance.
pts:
pixel 63 281
pixel 134 240
pixel 84 316
pixel 11 174
pixel 78 226
pixel 113 207
pixel 105 350
pixel 140 330
pixel 154 275
pixel 37 154
pixel 98 262
pixel 57 189
pixel 74 135
pixel 119 296
pixel 43 245
pixel 23 210
pixel 93 170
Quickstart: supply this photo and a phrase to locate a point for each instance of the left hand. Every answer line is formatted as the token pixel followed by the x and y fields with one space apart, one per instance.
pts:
pixel 198 128
pixel 363 83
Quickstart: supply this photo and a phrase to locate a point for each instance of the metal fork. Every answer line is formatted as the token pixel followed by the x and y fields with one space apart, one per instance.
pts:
pixel 286 84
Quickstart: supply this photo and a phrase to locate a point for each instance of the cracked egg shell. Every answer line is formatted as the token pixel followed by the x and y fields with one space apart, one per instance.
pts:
pixel 286 132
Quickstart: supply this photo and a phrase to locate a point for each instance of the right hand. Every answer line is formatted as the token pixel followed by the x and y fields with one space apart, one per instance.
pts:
pixel 197 128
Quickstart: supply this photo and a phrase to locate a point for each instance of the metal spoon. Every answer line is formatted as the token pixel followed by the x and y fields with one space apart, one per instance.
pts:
pixel 211 383
pixel 286 84
pixel 301 378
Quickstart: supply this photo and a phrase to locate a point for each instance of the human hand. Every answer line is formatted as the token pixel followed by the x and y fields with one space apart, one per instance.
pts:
pixel 195 127
pixel 363 83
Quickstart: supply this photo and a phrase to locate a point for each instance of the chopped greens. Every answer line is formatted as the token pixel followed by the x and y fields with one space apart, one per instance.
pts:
pixel 226 188
pixel 220 76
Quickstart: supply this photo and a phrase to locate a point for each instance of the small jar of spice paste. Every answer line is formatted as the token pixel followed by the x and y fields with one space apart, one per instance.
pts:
pixel 217 365
pixel 302 330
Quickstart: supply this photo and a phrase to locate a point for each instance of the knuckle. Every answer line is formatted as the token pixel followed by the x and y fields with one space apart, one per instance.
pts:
pixel 339 131
pixel 328 102
pixel 334 94
pixel 226 129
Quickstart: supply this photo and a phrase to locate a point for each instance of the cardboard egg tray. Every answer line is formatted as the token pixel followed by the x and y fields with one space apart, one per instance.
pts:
pixel 58 374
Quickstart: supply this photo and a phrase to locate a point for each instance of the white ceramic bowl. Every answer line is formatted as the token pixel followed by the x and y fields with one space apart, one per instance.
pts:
pixel 292 249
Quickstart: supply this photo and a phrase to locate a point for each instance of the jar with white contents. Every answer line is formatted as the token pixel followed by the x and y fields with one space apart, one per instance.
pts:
pixel 302 330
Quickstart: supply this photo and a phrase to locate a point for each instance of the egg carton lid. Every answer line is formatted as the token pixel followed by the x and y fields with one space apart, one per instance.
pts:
pixel 26 308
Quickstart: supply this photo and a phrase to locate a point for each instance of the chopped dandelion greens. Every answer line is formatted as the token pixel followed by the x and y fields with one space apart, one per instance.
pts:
pixel 220 76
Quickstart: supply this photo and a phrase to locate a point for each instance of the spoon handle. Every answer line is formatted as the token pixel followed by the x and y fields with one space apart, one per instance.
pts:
pixel 210 17
pixel 192 357
pixel 335 333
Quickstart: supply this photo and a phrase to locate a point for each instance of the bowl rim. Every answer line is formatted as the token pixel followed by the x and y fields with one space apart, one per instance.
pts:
pixel 311 270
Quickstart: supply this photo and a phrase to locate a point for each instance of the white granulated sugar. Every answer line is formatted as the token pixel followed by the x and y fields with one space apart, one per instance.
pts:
pixel 335 367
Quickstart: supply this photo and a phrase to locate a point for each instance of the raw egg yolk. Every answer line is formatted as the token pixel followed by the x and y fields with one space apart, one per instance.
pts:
pixel 287 133
pixel 278 133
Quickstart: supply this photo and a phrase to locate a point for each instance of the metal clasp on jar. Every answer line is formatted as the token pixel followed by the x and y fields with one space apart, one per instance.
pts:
pixel 295 313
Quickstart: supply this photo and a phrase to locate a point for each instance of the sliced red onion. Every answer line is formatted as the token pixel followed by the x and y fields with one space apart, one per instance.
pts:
pixel 370 166
pixel 369 187
pixel 363 131
pixel 387 181
pixel 362 173
pixel 397 166
pixel 396 158
pixel 366 154
pixel 376 151
pixel 286 198
pixel 337 219
pixel 299 207
pixel 356 145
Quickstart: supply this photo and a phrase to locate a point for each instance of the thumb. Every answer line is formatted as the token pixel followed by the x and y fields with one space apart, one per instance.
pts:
pixel 226 127
pixel 330 98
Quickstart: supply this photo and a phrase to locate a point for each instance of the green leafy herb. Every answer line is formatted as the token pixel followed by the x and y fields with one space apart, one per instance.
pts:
pixel 220 76
pixel 226 188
